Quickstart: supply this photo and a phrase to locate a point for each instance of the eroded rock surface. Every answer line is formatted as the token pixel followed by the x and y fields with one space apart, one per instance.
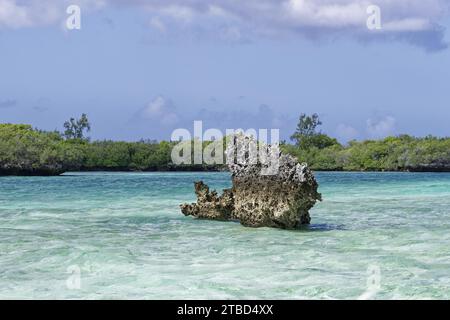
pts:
pixel 282 199
pixel 209 205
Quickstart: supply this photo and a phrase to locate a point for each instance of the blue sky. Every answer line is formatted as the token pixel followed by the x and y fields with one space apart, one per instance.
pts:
pixel 140 69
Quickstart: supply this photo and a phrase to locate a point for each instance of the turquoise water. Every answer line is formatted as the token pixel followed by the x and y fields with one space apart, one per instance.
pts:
pixel 122 236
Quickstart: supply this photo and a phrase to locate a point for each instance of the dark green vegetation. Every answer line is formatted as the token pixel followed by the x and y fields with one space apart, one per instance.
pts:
pixel 74 129
pixel 402 153
pixel 133 156
pixel 27 151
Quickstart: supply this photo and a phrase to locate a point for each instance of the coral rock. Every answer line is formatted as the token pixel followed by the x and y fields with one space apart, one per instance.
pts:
pixel 280 200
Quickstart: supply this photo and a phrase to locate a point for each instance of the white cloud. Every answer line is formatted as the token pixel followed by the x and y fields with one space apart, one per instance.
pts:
pixel 346 133
pixel 382 128
pixel 409 24
pixel 401 19
pixel 16 14
pixel 12 15
pixel 161 110
pixel 157 24
pixel 331 14
pixel 181 13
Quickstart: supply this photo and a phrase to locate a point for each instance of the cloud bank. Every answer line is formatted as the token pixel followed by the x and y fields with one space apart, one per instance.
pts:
pixel 381 128
pixel 159 110
pixel 7 103
pixel 413 21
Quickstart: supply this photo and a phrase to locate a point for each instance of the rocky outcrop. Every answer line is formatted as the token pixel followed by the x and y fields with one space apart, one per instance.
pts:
pixel 258 197
pixel 209 205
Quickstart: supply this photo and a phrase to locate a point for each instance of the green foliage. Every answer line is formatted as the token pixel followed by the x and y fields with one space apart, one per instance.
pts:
pixel 306 126
pixel 140 156
pixel 306 135
pixel 74 129
pixel 27 151
pixel 24 150
pixel 402 153
pixel 319 141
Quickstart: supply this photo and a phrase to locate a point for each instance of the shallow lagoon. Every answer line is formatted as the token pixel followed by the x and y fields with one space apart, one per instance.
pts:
pixel 125 235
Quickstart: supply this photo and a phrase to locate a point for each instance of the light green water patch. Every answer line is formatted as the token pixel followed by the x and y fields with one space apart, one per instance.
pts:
pixel 125 234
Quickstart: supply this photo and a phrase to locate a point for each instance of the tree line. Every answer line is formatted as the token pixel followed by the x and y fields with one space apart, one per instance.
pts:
pixel 395 153
pixel 28 151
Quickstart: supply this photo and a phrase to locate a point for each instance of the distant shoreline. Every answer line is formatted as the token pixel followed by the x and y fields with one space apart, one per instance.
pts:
pixel 25 151
pixel 44 174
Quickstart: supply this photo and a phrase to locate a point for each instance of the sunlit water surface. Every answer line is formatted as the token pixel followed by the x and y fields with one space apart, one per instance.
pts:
pixel 125 236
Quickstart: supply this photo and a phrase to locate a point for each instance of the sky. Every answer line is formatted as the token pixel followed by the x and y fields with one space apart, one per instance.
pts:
pixel 140 69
